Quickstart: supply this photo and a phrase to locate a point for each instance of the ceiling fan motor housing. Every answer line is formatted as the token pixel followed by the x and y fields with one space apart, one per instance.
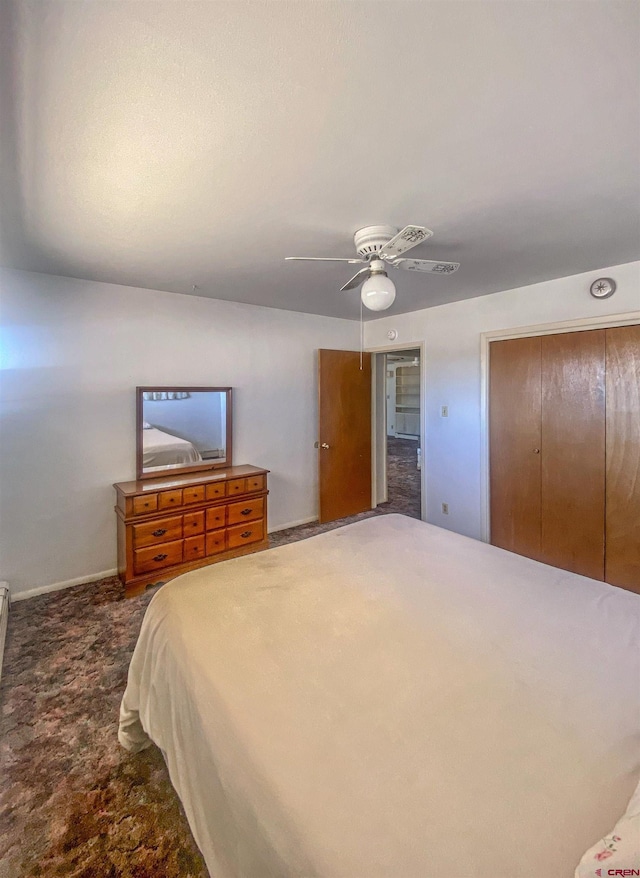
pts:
pixel 372 239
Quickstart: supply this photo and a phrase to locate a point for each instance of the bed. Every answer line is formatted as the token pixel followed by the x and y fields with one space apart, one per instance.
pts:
pixel 390 700
pixel 160 449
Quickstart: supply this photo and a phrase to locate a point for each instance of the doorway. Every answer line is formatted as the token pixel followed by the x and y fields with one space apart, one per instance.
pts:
pixel 403 452
pixel 382 455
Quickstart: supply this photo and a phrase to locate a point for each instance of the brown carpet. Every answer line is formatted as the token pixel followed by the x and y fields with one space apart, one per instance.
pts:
pixel 73 803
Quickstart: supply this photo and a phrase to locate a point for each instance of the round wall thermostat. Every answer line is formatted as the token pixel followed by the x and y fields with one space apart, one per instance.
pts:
pixel 603 288
pixel 392 334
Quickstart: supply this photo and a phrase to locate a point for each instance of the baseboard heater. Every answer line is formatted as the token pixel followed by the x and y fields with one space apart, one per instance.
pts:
pixel 4 618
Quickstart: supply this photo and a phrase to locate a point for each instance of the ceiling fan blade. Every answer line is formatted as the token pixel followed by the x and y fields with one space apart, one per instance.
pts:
pixel 409 237
pixel 322 259
pixel 427 265
pixel 357 279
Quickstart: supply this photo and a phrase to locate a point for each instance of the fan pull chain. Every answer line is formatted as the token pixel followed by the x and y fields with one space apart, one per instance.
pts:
pixel 361 333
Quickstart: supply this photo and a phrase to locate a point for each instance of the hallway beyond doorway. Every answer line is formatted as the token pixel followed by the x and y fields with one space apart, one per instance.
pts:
pixel 403 488
pixel 403 477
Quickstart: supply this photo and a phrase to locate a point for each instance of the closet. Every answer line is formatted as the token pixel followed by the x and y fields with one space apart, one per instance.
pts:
pixel 564 434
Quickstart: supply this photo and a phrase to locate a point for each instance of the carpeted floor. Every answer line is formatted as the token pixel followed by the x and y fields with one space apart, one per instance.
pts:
pixel 73 803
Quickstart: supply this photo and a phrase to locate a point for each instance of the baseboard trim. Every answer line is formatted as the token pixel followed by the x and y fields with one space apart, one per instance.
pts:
pixel 58 586
pixel 94 577
pixel 273 530
pixel 4 618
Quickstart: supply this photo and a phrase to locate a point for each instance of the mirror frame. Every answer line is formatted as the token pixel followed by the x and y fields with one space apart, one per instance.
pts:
pixel 193 468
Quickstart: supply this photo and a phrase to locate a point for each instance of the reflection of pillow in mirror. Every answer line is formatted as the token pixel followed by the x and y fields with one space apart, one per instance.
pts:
pixel 146 425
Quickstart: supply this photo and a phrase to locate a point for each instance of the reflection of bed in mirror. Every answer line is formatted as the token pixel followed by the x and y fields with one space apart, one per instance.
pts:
pixel 164 450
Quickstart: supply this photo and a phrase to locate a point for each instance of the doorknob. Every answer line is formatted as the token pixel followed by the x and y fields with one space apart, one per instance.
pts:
pixel 536 451
pixel 324 445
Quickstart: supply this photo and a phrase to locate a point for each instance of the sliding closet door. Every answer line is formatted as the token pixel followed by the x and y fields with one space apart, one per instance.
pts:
pixel 514 435
pixel 573 451
pixel 623 457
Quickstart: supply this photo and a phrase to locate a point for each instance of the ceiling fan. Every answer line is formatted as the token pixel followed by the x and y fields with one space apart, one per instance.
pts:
pixel 377 245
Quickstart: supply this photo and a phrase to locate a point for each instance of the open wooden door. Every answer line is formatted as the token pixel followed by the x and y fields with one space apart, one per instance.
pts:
pixel 344 437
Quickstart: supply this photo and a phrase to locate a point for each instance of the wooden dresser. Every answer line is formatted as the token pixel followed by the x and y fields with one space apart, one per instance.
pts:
pixel 167 526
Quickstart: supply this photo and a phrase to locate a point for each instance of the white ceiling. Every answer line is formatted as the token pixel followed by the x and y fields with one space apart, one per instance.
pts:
pixel 166 144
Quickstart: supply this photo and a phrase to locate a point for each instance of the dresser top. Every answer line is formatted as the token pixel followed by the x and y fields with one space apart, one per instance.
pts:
pixel 146 486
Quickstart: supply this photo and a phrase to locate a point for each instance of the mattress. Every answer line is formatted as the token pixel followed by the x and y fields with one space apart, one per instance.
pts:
pixel 391 700
pixel 160 449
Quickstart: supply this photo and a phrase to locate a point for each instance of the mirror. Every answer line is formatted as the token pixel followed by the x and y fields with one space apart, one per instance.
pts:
pixel 182 429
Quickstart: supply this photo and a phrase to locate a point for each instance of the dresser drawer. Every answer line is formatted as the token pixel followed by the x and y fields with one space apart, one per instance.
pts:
pixel 193 523
pixel 216 517
pixel 169 499
pixel 217 491
pixel 244 534
pixel 193 495
pixel 246 510
pixel 194 548
pixel 256 483
pixel 160 530
pixel 146 503
pixel 236 486
pixel 216 542
pixel 157 557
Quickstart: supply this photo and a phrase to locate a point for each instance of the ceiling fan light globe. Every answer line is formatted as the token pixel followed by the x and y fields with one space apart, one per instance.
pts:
pixel 378 293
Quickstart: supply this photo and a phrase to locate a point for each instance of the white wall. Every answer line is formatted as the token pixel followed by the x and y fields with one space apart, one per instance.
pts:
pixel 73 351
pixel 71 355
pixel 452 376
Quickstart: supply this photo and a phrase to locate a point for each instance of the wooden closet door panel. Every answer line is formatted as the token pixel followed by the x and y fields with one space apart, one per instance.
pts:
pixel 573 451
pixel 514 436
pixel 622 565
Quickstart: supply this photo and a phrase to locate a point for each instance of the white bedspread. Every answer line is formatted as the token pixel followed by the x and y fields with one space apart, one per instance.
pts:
pixel 391 700
pixel 163 449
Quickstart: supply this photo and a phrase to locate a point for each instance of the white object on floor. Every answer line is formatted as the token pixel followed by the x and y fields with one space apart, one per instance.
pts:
pixel 391 698
pixel 4 618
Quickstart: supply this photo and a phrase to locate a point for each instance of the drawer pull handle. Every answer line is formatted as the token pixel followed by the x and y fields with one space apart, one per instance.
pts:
pixel 159 557
pixel 246 512
pixel 159 532
pixel 245 534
